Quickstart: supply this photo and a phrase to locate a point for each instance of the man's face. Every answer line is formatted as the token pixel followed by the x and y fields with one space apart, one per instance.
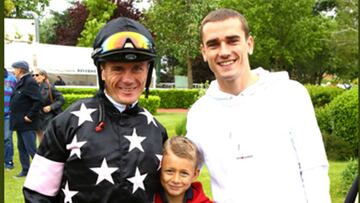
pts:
pixel 177 174
pixel 125 82
pixel 17 73
pixel 226 49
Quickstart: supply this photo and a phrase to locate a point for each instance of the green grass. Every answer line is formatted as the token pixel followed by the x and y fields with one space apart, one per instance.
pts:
pixel 13 186
pixel 170 120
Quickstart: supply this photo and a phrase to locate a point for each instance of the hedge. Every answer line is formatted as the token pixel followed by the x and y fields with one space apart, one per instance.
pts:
pixel 176 98
pixel 152 103
pixel 323 95
pixel 338 122
pixel 344 117
pixel 75 90
pixel 184 98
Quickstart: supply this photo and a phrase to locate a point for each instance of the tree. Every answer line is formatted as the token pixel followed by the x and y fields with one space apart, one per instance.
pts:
pixel 345 39
pixel 287 34
pixel 102 11
pixel 71 24
pixel 8 7
pixel 23 6
pixel 176 28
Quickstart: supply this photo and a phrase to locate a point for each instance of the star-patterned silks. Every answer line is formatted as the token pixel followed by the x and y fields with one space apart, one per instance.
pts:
pixel 135 141
pixel 137 180
pixel 104 172
pixel 68 193
pixel 149 117
pixel 83 114
pixel 75 146
pixel 159 156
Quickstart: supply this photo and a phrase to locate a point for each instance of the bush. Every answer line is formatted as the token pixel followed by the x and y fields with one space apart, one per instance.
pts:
pixel 180 128
pixel 337 148
pixel 343 111
pixel 348 176
pixel 176 98
pixel 71 98
pixel 338 122
pixel 152 103
pixel 323 95
pixel 323 119
pixel 75 90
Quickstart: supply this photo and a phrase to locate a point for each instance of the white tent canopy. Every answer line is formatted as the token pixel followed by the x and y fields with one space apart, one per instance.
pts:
pixel 73 64
pixel 54 59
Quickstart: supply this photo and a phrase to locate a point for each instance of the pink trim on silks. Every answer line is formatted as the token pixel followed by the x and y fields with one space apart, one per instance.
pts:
pixel 44 176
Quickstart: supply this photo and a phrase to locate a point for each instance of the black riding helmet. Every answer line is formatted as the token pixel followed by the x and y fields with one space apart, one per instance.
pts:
pixel 123 39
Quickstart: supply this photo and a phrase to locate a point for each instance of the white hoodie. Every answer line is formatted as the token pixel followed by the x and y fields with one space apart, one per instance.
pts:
pixel 263 145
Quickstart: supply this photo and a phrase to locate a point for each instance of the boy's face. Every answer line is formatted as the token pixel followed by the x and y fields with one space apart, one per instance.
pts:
pixel 177 174
pixel 125 82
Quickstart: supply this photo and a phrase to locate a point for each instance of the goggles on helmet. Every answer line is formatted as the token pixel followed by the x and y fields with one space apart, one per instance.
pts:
pixel 123 42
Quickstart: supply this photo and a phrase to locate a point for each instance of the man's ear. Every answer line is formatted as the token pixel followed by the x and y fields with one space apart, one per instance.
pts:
pixel 102 72
pixel 203 52
pixel 250 43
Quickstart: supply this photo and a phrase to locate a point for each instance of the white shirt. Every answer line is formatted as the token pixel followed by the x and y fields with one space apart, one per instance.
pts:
pixel 263 145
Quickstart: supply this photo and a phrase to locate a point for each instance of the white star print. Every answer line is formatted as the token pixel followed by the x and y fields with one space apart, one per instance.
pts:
pixel 135 141
pixel 150 118
pixel 137 180
pixel 83 114
pixel 75 147
pixel 104 172
pixel 159 156
pixel 68 193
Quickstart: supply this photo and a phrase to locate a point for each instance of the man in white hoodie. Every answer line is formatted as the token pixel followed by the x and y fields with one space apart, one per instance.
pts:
pixel 257 130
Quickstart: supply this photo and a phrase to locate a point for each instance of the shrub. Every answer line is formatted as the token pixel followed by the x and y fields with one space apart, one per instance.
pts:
pixel 152 103
pixel 75 90
pixel 323 119
pixel 344 119
pixel 176 98
pixel 348 176
pixel 337 148
pixel 322 95
pixel 71 98
pixel 180 128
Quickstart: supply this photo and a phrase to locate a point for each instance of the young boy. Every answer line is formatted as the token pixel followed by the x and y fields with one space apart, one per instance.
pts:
pixel 180 166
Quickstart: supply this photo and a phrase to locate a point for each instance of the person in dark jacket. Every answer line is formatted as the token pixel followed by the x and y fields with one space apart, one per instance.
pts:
pixel 59 81
pixel 106 148
pixel 25 104
pixel 180 167
pixel 52 100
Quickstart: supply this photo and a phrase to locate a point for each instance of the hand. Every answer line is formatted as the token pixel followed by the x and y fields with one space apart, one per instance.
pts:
pixel 47 109
pixel 27 119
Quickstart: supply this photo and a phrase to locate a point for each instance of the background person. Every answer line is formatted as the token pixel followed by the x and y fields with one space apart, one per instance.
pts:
pixel 59 81
pixel 52 100
pixel 9 86
pixel 25 104
pixel 180 167
pixel 105 148
pixel 257 130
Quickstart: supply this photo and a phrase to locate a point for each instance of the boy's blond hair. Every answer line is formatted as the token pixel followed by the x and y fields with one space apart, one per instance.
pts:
pixel 183 148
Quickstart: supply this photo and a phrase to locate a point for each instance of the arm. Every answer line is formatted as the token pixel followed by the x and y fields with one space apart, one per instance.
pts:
pixel 309 146
pixel 33 92
pixel 58 98
pixel 43 181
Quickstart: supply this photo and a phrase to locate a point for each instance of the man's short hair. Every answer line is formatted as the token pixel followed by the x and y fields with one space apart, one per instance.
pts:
pixel 183 148
pixel 224 14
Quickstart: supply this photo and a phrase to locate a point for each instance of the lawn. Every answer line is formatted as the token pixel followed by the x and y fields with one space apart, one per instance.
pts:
pixel 13 191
